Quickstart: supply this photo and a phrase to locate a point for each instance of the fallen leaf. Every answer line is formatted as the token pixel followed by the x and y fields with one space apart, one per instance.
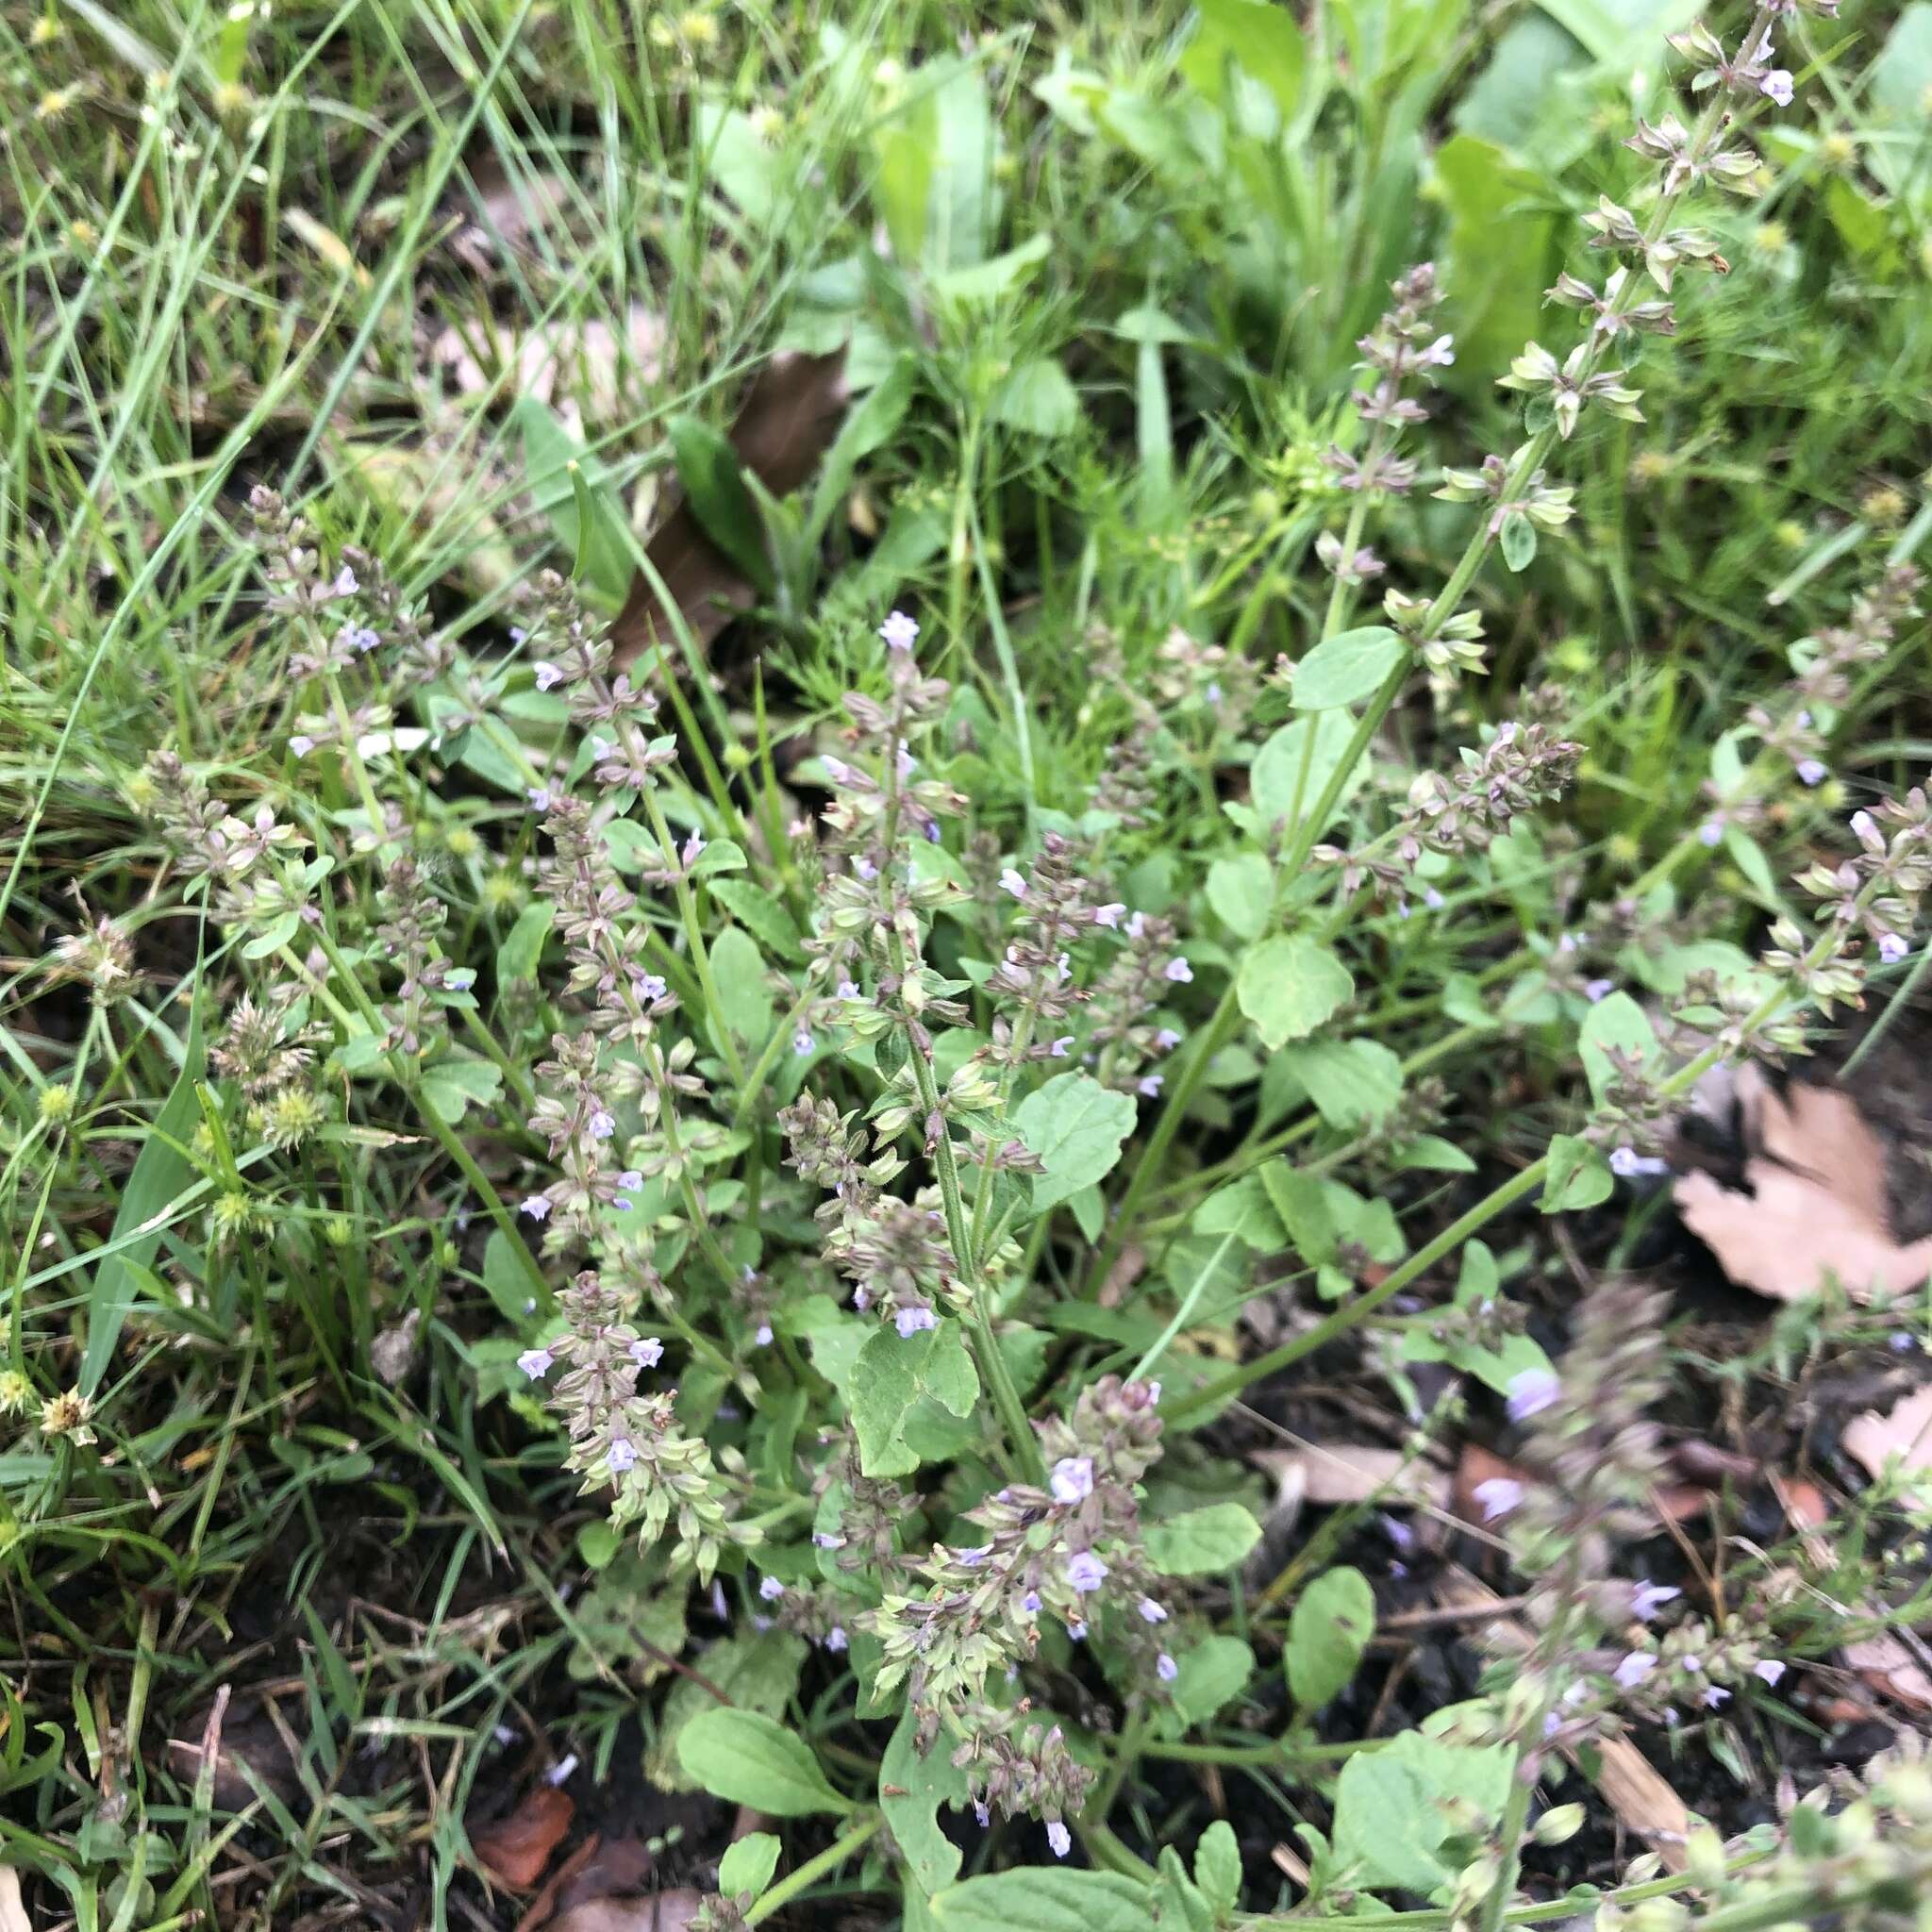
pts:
pixel 791 414
pixel 1346 1472
pixel 1816 1209
pixel 657 1911
pixel 14 1916
pixel 511 212
pixel 1905 1431
pixel 585 369
pixel 1892 1670
pixel 245 1737
pixel 514 1850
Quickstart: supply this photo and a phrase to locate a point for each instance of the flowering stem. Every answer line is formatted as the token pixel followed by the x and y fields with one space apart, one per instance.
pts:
pixel 688 914
pixel 814 1868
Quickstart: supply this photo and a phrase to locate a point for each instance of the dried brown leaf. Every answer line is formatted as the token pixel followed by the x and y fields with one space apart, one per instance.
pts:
pixel 1892 1670
pixel 1816 1205
pixel 1905 1431
pixel 1346 1472
pixel 657 1911
pixel 14 1916
pixel 514 1850
pixel 586 368
pixel 791 414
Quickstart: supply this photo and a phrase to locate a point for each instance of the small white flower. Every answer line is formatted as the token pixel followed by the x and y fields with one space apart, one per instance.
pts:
pixel 1110 914
pixel 763 1337
pixel 1811 772
pixel 1178 971
pixel 345 584
pixel 1498 1495
pixel 1634 1669
pixel 622 1456
pixel 1710 832
pixel 301 744
pixel 1152 1612
pixel 1713 1695
pixel 848 990
pixel 1011 882
pixel 1531 1393
pixel 548 674
pixel 1166 1669
pixel 1776 86
pixel 1059 1838
pixel 688 855
pixel 647 1351
pixel 537 1207
pixel 1073 1479
pixel 802 1041
pixel 1627 1162
pixel 1893 947
pixel 1649 1598
pixel 1768 1669
pixel 535 1362
pixel 771 1590
pixel 899 632
pixel 835 1637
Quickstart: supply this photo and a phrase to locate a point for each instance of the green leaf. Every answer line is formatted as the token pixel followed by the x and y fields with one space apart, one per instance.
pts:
pixel 737 971
pixel 1519 540
pixel 1217 1867
pixel 985 280
pixel 912 1787
pixel 1300 1201
pixel 1389 1806
pixel 1241 892
pixel 1616 1020
pixel 1433 1154
pixel 1321 738
pixel 506 1280
pixel 1203 1543
pixel 1262 38
pixel 1037 397
pixel 1178 1903
pixel 747 1759
pixel 714 487
pixel 749 1865
pixel 1212 1675
pixel 161 1172
pixel 1346 668
pixel 278 935
pixel 761 911
pixel 1045 1899
pixel 569 491
pixel 522 946
pixel 1242 1209
pixel 1077 1127
pixel 1500 247
pixel 871 424
pixel 1333 1619
pixel 1577 1176
pixel 453 1086
pixel 1352 1082
pixel 892 1374
pixel 758 1673
pixel 1289 985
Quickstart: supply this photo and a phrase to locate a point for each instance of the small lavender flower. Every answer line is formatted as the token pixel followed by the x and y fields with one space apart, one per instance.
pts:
pixel 1713 1695
pixel 1178 971
pixel 1060 1045
pixel 1149 1086
pixel 647 1351
pixel 1595 989
pixel 631 1179
pixel 1011 881
pixel 771 1590
pixel 1110 914
pixel 1073 1479
pixel 537 1207
pixel 908 1322
pixel 1077 1632
pixel 836 1638
pixel 1058 1838
pixel 535 1362
pixel 762 1336
pixel 1152 1612
pixel 1167 1040
pixel 1627 1162
pixel 982 1817
pixel 899 631
pixel 1531 1393
pixel 1811 772
pixel 1086 1572
pixel 301 744
pixel 1635 1668
pixel 1649 1598
pixel 1768 1669
pixel 1030 1603
pixel 622 1456
pixel 1893 947
pixel 1498 1495
pixel 1166 1669
pixel 1710 832
pixel 802 1041
pixel 548 674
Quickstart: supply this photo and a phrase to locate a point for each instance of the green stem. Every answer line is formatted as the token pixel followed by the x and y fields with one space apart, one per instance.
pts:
pixel 814 1868
pixel 694 939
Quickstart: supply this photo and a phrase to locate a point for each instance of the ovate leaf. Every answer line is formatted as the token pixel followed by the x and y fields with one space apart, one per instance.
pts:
pixel 1045 1899
pixel 1333 1619
pixel 1289 985
pixel 749 1760
pixel 1076 1127
pixel 749 1865
pixel 1203 1543
pixel 1344 669
pixel 912 1787
pixel 892 1376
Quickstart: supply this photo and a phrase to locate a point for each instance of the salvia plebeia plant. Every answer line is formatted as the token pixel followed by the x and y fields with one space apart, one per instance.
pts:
pixel 845 1168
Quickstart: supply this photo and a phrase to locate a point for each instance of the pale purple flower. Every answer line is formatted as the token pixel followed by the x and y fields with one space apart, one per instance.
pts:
pixel 653 987
pixel 908 1322
pixel 301 744
pixel 1627 1162
pixel 1595 989
pixel 537 798
pixel 1059 1838
pixel 1152 1612
pixel 838 771
pixel 647 1351
pixel 1110 914
pixel 1649 1598
pixel 981 1815
pixel 1064 968
pixel 1166 1669
pixel 1714 1694
pixel 602 1124
pixel 972 1559
pixel 1768 1669
pixel 547 675
pixel 1086 1572
pixel 1811 772
pixel 1398 1532
pixel 535 1362
pixel 802 1041
pixel 1635 1668
pixel 1030 1603
pixel 1893 947
pixel 1077 1632
pixel 836 1638
pixel 1150 1085
pixel 865 868
pixel 688 853
pixel 1498 1495
pixel 1863 827
pixel 1010 881
pixel 905 761
pixel 537 1207
pixel 622 1456
pixel 1710 832
pixel 771 1590
pixel 1776 86
pixel 763 1339
pixel 848 990
pixel 1073 1479
pixel 1178 971
pixel 899 631
pixel 631 1179
pixel 1432 899
pixel 1137 924
pixel 1167 1040
pixel 345 584
pixel 1531 1393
